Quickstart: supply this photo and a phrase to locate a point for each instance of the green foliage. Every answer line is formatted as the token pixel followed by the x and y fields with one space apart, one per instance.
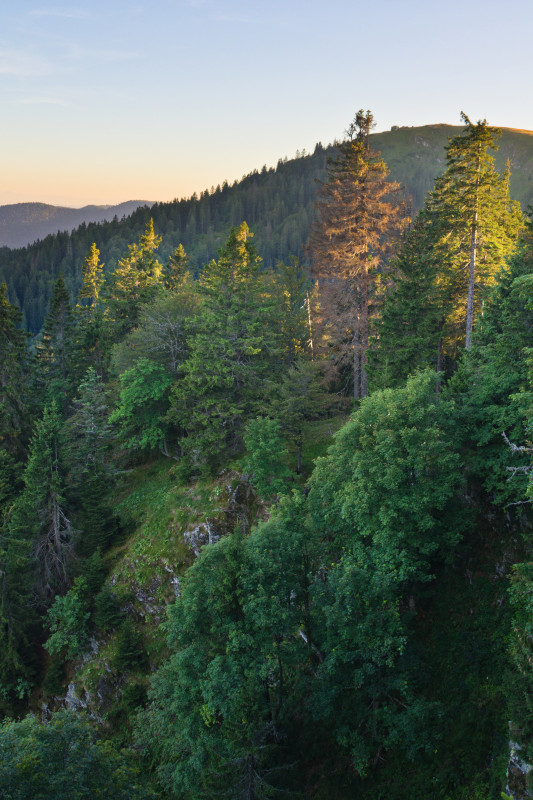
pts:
pixel 53 684
pixel 107 613
pixel 63 760
pixel 92 339
pixel 491 387
pixel 14 373
pixel 301 397
pixel 231 355
pixel 68 622
pixel 391 480
pixel 217 704
pixel 129 652
pixel 353 643
pixel 407 334
pixel 143 403
pixel 134 282
pixel 266 457
pixel 91 473
pixel 92 273
pixel 39 516
pixel 291 285
pixel 449 260
pixel 177 268
pixel 56 350
pixel 163 331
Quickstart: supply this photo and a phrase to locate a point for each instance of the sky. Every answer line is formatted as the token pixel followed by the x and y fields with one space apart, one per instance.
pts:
pixel 110 101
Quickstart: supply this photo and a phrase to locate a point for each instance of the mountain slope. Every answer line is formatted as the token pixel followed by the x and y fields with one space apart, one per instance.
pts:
pixel 277 204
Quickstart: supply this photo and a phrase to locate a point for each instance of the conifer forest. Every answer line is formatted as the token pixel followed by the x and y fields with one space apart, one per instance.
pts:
pixel 265 500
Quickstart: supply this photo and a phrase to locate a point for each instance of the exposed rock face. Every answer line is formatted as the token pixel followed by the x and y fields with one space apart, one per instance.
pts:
pixel 75 703
pixel 517 775
pixel 237 511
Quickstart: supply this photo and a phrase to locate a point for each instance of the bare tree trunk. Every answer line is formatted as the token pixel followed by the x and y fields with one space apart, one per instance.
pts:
pixel 356 355
pixel 472 270
pixel 364 332
pixel 439 363
pixel 471 280
pixel 311 344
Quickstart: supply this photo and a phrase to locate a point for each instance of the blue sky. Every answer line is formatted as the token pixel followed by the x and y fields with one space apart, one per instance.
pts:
pixel 111 101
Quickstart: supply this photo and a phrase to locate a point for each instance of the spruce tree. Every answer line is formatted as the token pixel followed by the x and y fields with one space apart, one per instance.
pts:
pixel 134 282
pixel 291 287
pixel 177 268
pixel 92 476
pixel 92 272
pixel 358 215
pixel 408 333
pixel 56 351
pixel 39 513
pixel 232 353
pixel 92 345
pixel 14 378
pixel 448 261
pixel 475 224
pixel 18 620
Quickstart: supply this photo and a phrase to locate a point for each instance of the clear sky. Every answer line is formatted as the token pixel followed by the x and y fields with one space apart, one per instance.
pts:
pixel 106 101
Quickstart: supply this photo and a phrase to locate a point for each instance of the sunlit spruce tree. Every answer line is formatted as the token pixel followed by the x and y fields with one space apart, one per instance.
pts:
pixel 358 217
pixel 476 224
pixel 450 259
pixel 134 282
pixel 90 318
pixel 176 268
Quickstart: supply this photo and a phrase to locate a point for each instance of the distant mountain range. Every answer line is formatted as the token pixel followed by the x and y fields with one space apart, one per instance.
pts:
pixel 24 223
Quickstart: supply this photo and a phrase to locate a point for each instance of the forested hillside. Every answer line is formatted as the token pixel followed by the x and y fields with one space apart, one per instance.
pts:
pixel 265 531
pixel 276 203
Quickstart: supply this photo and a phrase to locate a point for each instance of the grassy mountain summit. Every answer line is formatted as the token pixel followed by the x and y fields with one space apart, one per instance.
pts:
pixel 416 156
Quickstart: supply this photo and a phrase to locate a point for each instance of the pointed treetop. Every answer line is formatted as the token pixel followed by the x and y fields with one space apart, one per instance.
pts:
pixel 149 241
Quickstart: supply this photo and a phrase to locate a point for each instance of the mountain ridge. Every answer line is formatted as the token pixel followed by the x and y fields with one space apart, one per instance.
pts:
pixel 22 224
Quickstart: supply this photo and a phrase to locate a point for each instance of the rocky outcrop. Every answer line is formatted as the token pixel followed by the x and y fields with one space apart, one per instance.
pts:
pixel 237 509
pixel 518 775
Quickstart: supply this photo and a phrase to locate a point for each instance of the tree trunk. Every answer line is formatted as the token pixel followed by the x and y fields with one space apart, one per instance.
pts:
pixel 364 332
pixel 472 269
pixel 471 280
pixel 356 354
pixel 311 345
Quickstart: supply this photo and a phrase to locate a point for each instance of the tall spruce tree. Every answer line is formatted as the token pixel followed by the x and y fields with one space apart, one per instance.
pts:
pixel 14 374
pixel 39 513
pixel 449 260
pixel 56 351
pixel 91 473
pixel 475 223
pixel 408 332
pixel 90 318
pixel 358 215
pixel 177 268
pixel 232 353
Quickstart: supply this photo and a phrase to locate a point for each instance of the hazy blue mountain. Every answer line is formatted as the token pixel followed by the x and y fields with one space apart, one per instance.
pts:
pixel 24 223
